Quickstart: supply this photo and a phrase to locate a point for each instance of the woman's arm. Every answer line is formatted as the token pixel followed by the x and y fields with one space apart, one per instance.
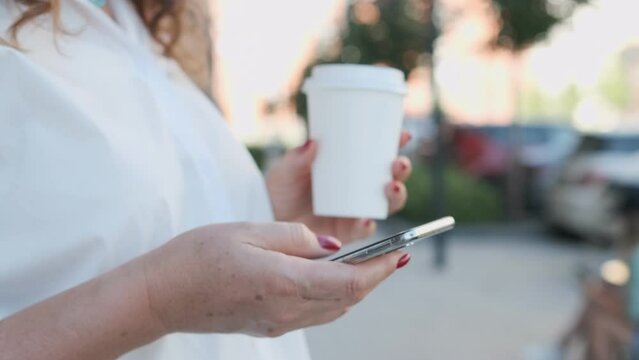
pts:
pixel 254 279
pixel 100 319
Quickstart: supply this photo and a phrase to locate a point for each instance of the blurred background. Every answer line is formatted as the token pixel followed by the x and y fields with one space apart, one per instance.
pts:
pixel 525 119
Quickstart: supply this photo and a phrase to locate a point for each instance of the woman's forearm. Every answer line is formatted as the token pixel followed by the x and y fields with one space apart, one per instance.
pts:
pixel 100 319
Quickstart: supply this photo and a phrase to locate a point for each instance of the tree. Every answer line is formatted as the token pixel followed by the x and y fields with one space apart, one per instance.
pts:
pixel 525 22
pixel 403 34
pixel 391 32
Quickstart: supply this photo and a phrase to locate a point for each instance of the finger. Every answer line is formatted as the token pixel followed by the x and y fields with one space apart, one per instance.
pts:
pixel 302 157
pixel 307 150
pixel 293 239
pixel 404 138
pixel 402 168
pixel 343 283
pixel 397 195
pixel 372 272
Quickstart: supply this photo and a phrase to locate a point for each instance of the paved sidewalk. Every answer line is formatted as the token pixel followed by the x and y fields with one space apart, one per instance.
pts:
pixel 505 289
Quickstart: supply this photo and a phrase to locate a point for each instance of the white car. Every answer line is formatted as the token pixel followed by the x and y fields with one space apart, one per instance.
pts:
pixel 582 200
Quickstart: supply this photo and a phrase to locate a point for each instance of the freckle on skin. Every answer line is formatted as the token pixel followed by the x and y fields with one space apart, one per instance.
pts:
pixel 124 334
pixel 270 330
pixel 210 314
pixel 259 297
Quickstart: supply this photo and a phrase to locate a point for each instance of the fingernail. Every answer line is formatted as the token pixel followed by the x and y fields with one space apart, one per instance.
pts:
pixel 403 261
pixel 329 243
pixel 396 188
pixel 302 149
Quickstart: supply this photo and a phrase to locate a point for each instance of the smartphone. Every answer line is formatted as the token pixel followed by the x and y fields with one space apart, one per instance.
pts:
pixel 404 239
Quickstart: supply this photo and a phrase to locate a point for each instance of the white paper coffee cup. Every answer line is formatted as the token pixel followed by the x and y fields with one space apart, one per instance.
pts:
pixel 355 115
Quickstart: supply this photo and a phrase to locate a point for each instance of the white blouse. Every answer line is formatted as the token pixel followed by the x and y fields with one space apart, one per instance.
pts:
pixel 108 150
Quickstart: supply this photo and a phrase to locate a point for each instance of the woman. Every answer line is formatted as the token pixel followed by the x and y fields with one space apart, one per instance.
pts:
pixel 130 218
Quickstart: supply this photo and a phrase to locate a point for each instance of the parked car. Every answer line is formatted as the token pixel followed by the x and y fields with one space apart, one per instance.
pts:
pixel 538 150
pixel 585 200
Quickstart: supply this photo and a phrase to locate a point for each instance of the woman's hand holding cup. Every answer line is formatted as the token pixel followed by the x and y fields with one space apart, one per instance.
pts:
pixel 289 185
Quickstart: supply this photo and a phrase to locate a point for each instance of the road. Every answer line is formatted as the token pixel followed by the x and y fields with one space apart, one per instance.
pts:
pixel 505 289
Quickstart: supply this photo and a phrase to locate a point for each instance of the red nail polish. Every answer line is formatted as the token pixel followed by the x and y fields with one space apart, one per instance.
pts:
pixel 403 166
pixel 396 188
pixel 368 223
pixel 403 261
pixel 303 148
pixel 409 137
pixel 329 243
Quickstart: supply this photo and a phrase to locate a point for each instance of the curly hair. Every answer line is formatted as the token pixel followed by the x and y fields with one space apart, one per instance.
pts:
pixel 181 27
pixel 163 18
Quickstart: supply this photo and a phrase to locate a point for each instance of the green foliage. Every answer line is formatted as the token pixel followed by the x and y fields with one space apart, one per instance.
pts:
pixel 568 100
pixel 398 32
pixel 536 104
pixel 468 199
pixel 614 85
pixel 531 102
pixel 392 32
pixel 525 22
pixel 401 33
pixel 258 156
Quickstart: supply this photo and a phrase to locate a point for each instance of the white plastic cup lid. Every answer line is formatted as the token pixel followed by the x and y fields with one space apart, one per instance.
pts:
pixel 356 77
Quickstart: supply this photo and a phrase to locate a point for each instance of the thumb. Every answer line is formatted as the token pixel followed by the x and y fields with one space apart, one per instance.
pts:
pixel 296 240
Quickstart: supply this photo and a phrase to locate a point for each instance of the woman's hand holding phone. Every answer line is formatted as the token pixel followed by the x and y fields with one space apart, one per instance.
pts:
pixel 248 278
pixel 256 279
